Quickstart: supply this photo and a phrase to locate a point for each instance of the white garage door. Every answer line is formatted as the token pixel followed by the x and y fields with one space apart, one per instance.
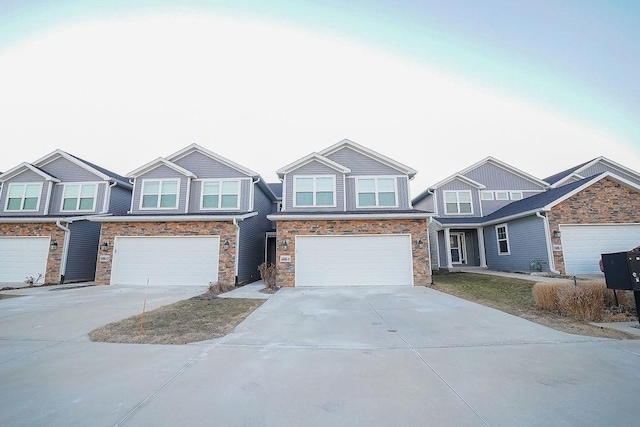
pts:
pixel 353 260
pixel 22 257
pixel 583 245
pixel 165 260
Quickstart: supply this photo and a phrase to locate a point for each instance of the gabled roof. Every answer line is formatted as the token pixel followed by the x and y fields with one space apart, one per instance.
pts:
pixel 90 167
pixel 26 166
pixel 160 161
pixel 369 153
pixel 195 147
pixel 559 178
pixel 310 158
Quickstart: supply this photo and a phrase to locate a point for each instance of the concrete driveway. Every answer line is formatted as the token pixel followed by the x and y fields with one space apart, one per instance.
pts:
pixel 339 357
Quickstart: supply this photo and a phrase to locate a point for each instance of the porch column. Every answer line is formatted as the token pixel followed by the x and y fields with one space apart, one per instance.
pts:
pixel 447 247
pixel 483 255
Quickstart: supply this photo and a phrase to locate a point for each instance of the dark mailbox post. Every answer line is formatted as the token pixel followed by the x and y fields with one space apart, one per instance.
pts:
pixel 622 271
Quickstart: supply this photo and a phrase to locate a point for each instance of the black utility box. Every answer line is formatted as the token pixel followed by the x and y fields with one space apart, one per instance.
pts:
pixel 617 274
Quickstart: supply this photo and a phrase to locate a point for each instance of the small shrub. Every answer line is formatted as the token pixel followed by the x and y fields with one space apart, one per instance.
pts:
pixel 546 296
pixel 30 280
pixel 268 275
pixel 584 301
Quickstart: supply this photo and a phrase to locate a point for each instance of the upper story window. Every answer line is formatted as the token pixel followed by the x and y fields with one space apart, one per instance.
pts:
pixel 23 197
pixel 376 192
pixel 502 195
pixel 314 191
pixel 160 193
pixel 516 195
pixel 79 197
pixel 458 202
pixel 503 239
pixel 220 195
pixel 486 195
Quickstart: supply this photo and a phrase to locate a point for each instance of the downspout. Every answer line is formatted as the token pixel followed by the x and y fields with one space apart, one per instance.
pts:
pixel 236 262
pixel 133 184
pixel 545 220
pixel 251 194
pixel 188 197
pixel 65 249
pixel 107 198
pixel 437 245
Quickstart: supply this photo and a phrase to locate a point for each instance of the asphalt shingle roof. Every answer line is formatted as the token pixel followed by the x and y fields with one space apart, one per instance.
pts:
pixel 557 177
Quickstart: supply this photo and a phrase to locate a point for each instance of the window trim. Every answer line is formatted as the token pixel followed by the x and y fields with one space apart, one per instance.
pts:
pixel 221 180
pixel 8 191
pixel 376 192
pixel 511 193
pixel 484 193
pixel 505 197
pixel 79 184
pixel 506 239
pixel 457 193
pixel 161 180
pixel 314 205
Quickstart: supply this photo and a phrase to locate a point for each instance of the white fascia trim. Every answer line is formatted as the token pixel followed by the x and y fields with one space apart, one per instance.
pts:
pixel 215 156
pixel 589 183
pixel 32 220
pixel 328 216
pixel 310 158
pixel 156 164
pixel 21 168
pixel 461 178
pixel 172 218
pixel 369 153
pixel 59 153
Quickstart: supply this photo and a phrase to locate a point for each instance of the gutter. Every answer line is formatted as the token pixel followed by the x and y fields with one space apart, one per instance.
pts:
pixel 545 220
pixel 65 249
pixel 171 218
pixel 352 216
pixel 237 256
pixel 107 198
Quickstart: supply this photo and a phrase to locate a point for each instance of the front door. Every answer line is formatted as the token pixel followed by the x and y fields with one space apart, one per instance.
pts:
pixel 458 255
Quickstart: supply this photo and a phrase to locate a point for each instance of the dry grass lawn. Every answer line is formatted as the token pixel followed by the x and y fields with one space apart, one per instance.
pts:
pixel 196 319
pixel 515 296
pixel 7 296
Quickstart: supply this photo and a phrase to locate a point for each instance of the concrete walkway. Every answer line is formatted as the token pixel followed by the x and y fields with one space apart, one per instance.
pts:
pixel 523 276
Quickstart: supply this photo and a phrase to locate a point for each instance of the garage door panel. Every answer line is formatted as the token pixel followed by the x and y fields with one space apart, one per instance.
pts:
pixel 353 260
pixel 165 260
pixel 22 257
pixel 583 245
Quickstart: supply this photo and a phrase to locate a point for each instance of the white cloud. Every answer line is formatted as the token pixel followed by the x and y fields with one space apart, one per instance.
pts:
pixel 123 93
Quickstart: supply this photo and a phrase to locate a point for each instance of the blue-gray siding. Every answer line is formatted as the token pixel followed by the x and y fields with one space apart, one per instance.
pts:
pixel 361 164
pixel 490 206
pixel 25 177
pixel 527 243
pixel 433 246
pixel 402 186
pixel 252 239
pixel 83 251
pixel 67 171
pixel 456 185
pixel 442 249
pixel 196 194
pixel 120 201
pixel 161 172
pixel 599 168
pixel 205 167
pixel 56 199
pixel 426 204
pixel 496 178
pixel 314 168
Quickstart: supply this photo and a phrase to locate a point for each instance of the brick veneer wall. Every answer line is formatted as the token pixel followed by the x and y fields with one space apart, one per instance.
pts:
pixel 604 202
pixel 224 229
pixel 52 273
pixel 417 228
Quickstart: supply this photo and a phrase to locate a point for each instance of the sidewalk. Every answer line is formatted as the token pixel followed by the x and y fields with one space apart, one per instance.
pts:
pixel 523 276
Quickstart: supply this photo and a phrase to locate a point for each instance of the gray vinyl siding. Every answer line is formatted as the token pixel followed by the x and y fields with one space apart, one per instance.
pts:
pixel 361 164
pixel 26 177
pixel 67 171
pixel 527 242
pixel 161 172
pixel 83 251
pixel 56 199
pixel 433 246
pixel 252 239
pixel 120 201
pixel 205 167
pixel 312 169
pixel 457 185
pixel 599 168
pixel 196 194
pixel 402 185
pixel 443 249
pixel 490 206
pixel 496 178
pixel 426 204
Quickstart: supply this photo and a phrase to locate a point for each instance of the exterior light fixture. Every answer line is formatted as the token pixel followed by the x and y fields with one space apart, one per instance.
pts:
pixel 104 246
pixel 285 245
pixel 54 245
pixel 556 233
pixel 420 243
pixel 226 244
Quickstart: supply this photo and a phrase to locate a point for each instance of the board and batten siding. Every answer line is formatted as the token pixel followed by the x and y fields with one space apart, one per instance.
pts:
pixel 314 168
pixel 27 177
pixel 58 190
pixel 83 251
pixel 120 200
pixel 402 187
pixel 497 178
pixel 161 172
pixel 599 168
pixel 67 171
pixel 442 249
pixel 457 185
pixel 252 238
pixel 205 167
pixel 527 243
pixel 433 246
pixel 426 203
pixel 490 206
pixel 196 194
pixel 361 164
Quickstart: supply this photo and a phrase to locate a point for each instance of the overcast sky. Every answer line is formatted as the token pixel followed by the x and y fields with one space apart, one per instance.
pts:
pixel 436 85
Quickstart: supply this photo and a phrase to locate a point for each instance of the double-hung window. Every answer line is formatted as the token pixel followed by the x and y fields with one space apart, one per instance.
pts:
pixel 79 197
pixel 376 192
pixel 502 236
pixel 220 195
pixel 23 197
pixel 315 191
pixel 160 193
pixel 458 202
